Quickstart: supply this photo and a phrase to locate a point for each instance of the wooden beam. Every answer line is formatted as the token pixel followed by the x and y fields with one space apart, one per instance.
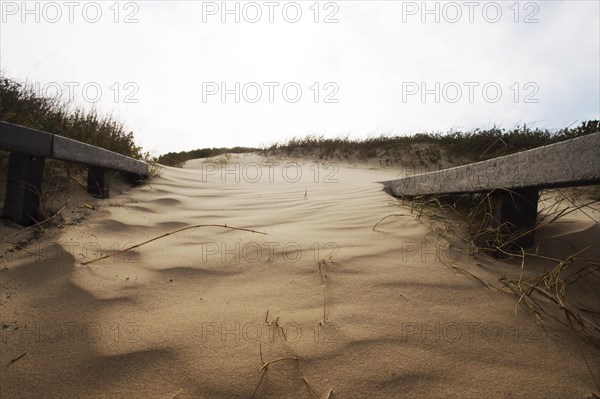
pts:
pixel 76 151
pixel 513 218
pixel 25 140
pixel 23 188
pixel 569 163
pixel 36 142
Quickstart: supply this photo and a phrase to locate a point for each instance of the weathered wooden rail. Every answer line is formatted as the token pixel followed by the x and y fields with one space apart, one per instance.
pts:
pixel 28 150
pixel 514 181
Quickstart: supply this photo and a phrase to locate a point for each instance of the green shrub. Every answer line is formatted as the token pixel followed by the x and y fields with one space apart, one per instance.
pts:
pixel 460 147
pixel 20 104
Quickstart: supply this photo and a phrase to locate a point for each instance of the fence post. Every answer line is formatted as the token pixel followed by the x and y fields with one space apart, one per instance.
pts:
pixel 514 216
pixel 23 188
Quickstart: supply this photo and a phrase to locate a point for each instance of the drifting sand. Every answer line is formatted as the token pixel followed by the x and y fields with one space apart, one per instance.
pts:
pixel 184 316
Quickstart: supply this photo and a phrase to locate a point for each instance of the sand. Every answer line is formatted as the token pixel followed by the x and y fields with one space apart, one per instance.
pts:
pixel 184 316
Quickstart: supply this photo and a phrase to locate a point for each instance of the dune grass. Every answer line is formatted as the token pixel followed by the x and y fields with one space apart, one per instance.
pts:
pixel 429 148
pixel 462 223
pixel 21 104
pixel 178 158
pixel 418 150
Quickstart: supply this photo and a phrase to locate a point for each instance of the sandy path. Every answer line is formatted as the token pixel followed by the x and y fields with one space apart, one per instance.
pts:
pixel 186 315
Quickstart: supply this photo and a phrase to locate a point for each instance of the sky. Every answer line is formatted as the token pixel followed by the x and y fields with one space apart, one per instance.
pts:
pixel 192 74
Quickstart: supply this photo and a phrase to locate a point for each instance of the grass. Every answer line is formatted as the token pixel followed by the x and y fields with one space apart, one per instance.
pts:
pixel 426 149
pixel 178 158
pixel 421 150
pixel 549 294
pixel 22 105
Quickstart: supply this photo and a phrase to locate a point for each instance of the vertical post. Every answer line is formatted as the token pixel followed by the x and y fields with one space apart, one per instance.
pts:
pixel 514 216
pixel 98 183
pixel 23 188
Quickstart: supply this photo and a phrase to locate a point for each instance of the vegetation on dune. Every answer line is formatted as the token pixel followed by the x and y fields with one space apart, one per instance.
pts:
pixel 459 147
pixel 553 288
pixel 421 149
pixel 178 158
pixel 22 105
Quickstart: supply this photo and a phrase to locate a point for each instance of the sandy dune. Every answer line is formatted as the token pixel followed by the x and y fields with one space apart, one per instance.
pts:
pixel 184 316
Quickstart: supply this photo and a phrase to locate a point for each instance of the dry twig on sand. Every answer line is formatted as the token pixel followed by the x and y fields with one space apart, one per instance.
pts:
pixel 224 226
pixel 275 322
pixel 38 224
pixel 265 367
pixel 320 266
pixel 468 218
pixel 389 216
pixel 329 393
pixel 15 360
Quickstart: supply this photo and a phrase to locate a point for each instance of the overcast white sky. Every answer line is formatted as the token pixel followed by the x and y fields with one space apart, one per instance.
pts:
pixel 362 66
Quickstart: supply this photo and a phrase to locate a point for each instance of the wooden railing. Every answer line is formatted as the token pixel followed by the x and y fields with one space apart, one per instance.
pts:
pixel 28 150
pixel 514 181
